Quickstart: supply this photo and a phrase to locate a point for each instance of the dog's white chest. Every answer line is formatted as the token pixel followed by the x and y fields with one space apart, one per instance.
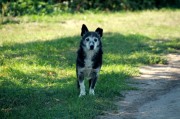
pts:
pixel 88 67
pixel 88 60
pixel 88 63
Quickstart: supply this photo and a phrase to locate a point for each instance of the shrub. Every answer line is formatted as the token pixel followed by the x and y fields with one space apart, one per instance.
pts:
pixel 22 7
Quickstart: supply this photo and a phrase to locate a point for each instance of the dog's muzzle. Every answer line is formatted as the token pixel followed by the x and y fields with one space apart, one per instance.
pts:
pixel 91 47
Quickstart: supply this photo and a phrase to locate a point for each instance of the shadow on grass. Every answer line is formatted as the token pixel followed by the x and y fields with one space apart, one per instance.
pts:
pixel 57 52
pixel 42 93
pixel 130 49
pixel 22 99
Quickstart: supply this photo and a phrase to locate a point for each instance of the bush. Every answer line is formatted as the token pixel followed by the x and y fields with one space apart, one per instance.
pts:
pixel 115 5
pixel 22 7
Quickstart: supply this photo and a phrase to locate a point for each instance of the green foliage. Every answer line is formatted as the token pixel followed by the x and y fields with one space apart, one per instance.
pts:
pixel 42 7
pixel 115 5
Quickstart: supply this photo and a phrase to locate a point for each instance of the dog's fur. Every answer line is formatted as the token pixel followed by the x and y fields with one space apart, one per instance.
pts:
pixel 89 58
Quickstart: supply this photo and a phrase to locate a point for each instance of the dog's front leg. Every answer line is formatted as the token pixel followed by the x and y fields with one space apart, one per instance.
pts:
pixel 92 83
pixel 81 84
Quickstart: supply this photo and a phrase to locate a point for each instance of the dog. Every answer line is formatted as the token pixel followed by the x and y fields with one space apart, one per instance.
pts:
pixel 89 58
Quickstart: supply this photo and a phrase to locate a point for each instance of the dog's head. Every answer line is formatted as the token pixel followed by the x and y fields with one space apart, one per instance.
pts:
pixel 91 40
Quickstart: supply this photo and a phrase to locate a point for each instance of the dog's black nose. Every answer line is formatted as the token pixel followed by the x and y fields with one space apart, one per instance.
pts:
pixel 91 47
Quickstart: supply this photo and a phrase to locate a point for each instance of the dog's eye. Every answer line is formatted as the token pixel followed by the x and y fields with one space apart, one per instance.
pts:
pixel 95 40
pixel 87 39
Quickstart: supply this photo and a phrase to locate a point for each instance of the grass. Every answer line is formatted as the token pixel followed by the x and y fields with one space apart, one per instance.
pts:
pixel 38 53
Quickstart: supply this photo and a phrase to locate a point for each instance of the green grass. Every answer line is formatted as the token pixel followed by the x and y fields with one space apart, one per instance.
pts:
pixel 38 53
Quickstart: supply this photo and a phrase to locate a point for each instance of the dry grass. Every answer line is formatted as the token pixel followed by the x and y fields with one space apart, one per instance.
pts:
pixel 149 23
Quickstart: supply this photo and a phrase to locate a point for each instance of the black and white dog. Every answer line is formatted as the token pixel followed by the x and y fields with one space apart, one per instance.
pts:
pixel 89 59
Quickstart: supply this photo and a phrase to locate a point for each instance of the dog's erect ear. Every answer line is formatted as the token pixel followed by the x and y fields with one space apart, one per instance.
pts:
pixel 84 29
pixel 99 31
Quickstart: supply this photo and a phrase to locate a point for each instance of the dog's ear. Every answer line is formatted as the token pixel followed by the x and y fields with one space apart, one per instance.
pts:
pixel 99 31
pixel 84 29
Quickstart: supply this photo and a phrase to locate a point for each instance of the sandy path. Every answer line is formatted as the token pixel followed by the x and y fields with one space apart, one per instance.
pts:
pixel 158 96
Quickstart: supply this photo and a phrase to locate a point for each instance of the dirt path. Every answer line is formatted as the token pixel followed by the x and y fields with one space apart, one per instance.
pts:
pixel 159 94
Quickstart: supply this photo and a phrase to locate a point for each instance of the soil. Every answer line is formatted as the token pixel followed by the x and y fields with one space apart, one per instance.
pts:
pixel 158 94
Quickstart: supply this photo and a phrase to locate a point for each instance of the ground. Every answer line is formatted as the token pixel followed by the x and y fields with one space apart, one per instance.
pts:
pixel 158 94
pixel 38 56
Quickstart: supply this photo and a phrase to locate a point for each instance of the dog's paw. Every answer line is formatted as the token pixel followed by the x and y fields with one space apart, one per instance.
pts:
pixel 91 92
pixel 82 94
